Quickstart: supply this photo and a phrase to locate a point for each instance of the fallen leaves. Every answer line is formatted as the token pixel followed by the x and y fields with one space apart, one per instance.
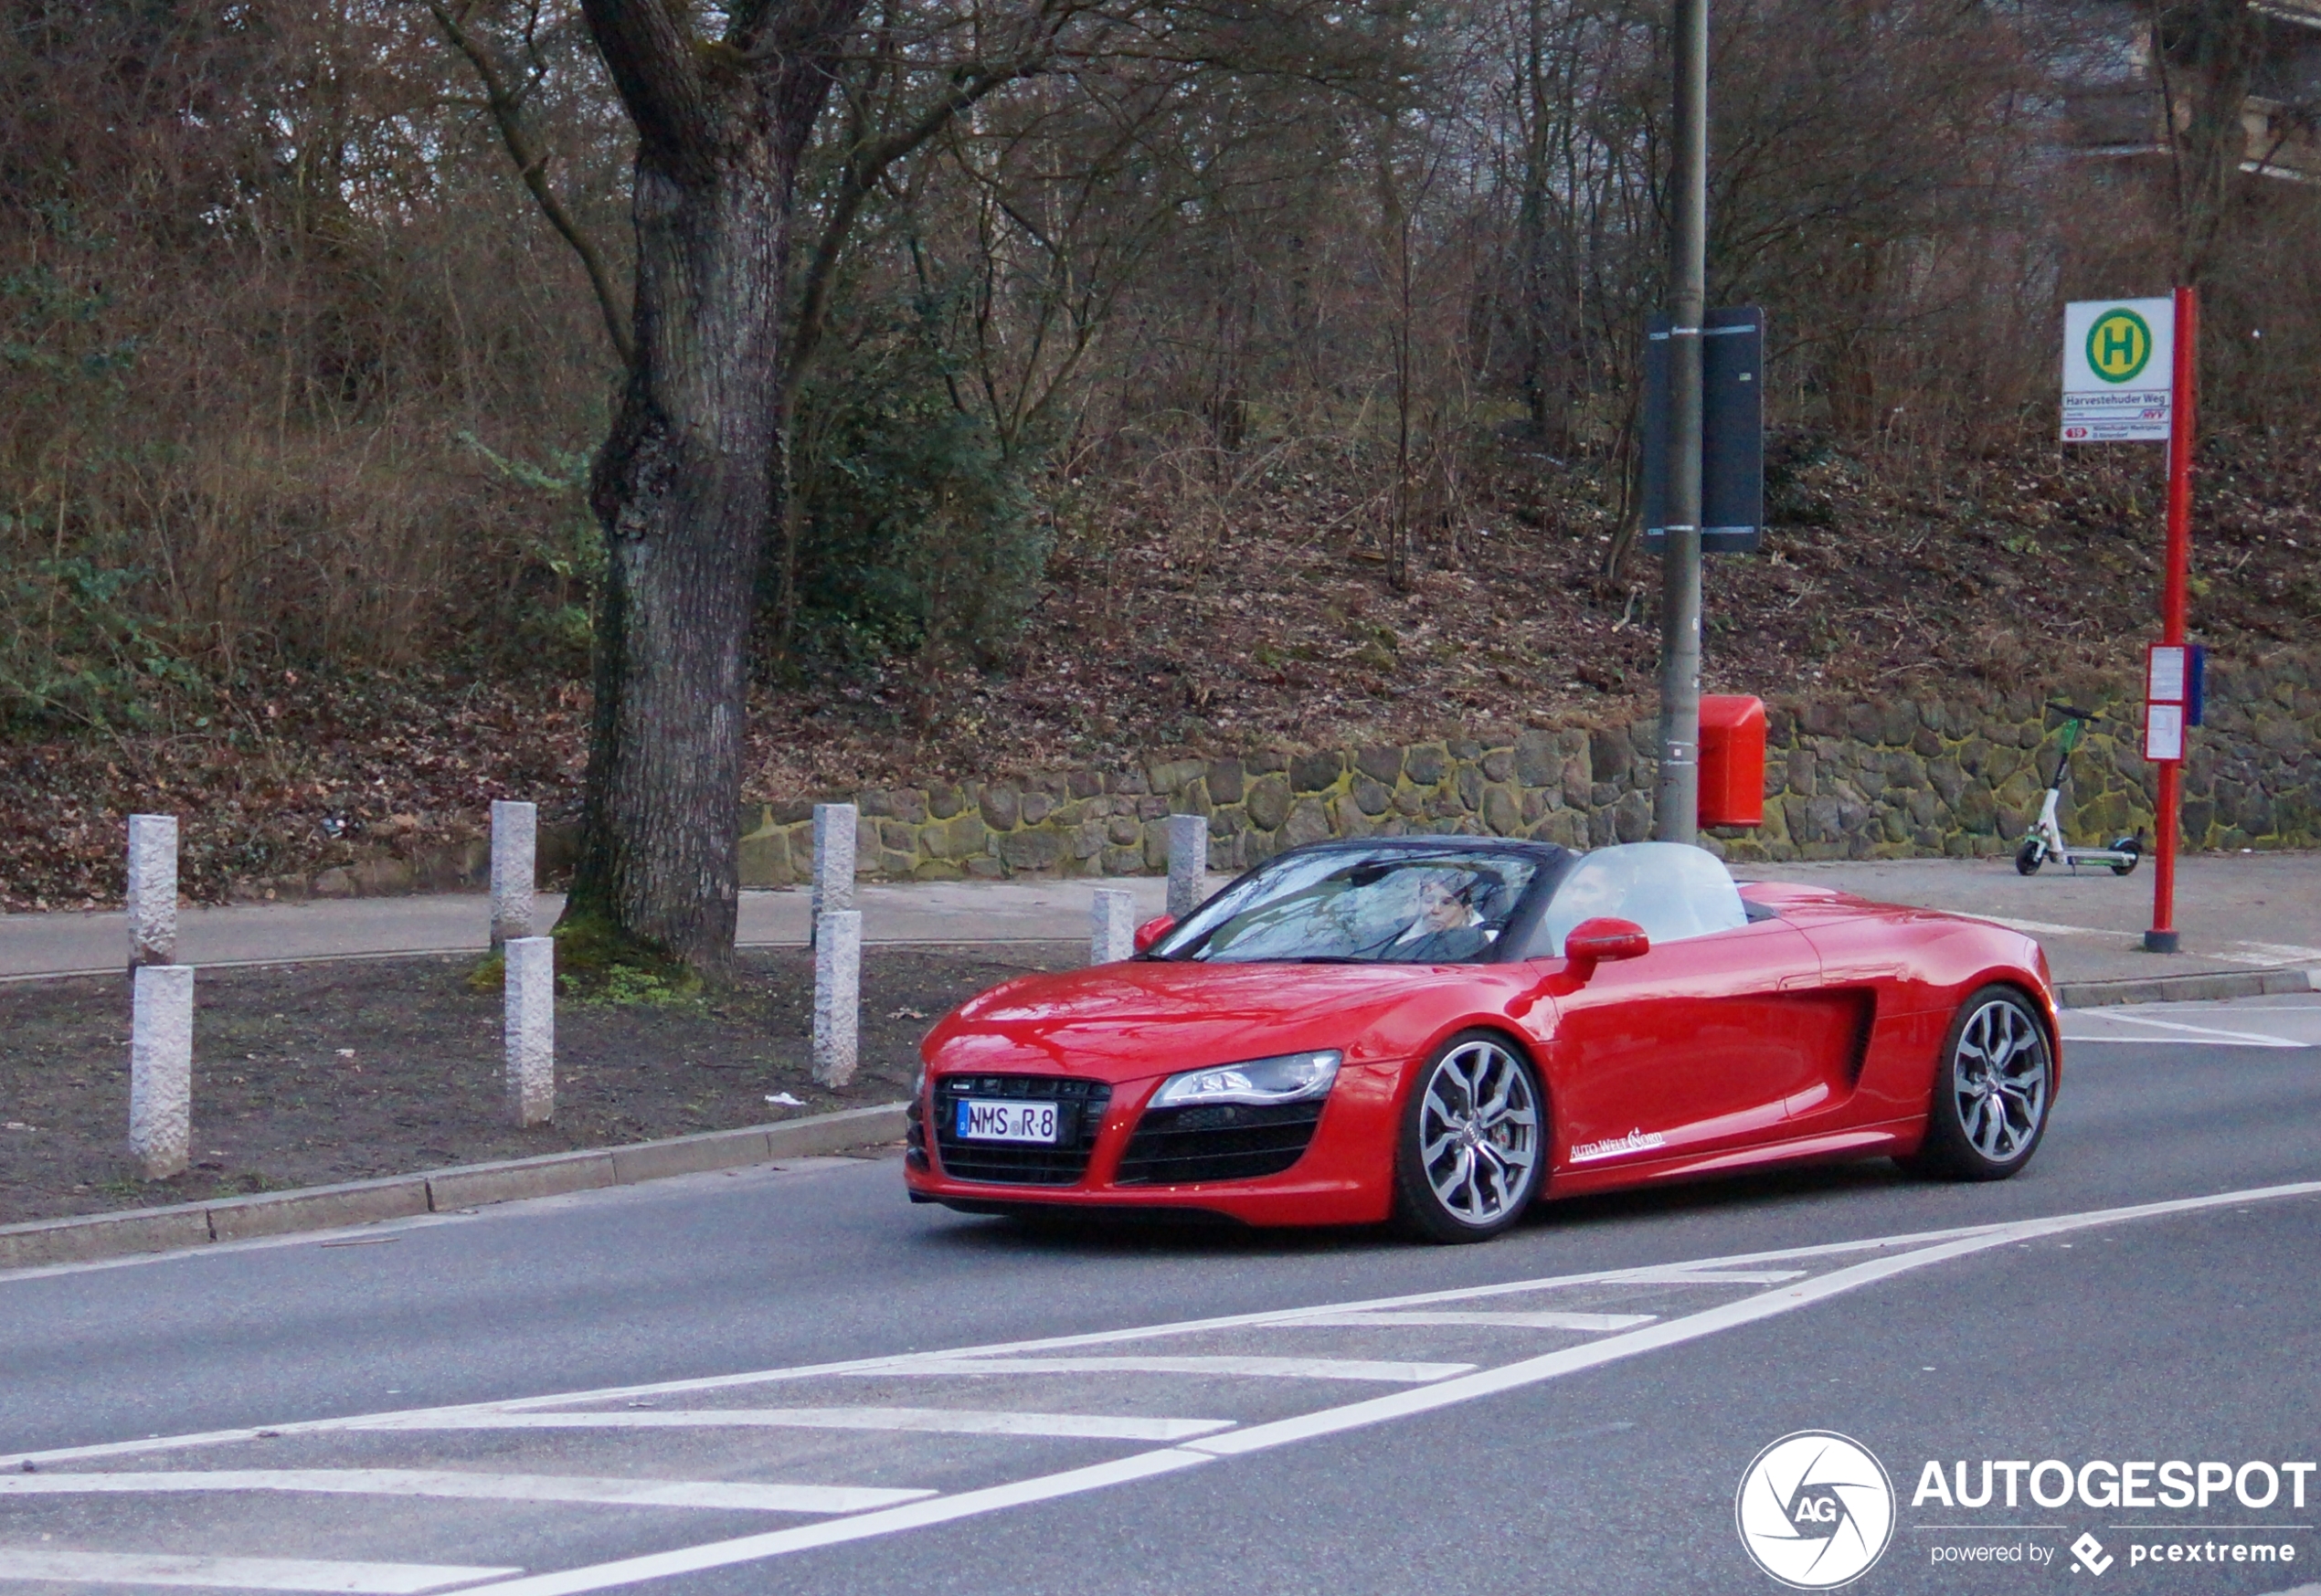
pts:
pixel 1881 571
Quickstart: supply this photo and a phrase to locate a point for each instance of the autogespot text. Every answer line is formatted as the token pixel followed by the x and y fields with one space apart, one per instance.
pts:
pixel 2261 1492
pixel 2175 1484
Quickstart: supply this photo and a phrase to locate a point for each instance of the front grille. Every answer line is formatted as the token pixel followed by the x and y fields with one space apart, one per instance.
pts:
pixel 1080 1106
pixel 1225 1141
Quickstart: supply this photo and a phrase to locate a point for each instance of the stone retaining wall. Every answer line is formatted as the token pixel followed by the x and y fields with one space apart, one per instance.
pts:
pixel 1907 777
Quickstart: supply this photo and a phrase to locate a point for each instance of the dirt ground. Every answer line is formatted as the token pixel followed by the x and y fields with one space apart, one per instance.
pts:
pixel 1262 620
pixel 305 1074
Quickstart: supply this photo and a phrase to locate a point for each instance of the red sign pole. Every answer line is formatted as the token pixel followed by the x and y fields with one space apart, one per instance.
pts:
pixel 2162 936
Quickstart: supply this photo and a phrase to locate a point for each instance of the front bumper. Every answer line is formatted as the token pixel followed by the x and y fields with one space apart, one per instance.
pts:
pixel 1289 1166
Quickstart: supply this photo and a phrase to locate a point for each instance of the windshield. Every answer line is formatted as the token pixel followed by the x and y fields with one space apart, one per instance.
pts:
pixel 1400 905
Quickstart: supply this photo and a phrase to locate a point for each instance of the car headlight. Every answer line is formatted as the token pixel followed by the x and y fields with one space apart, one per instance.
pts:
pixel 1290 1078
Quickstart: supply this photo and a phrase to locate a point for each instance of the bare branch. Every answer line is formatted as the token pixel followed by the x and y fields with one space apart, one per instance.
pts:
pixel 870 161
pixel 504 99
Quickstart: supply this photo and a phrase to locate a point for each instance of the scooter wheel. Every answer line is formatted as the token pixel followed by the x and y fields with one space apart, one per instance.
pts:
pixel 2030 857
pixel 2131 846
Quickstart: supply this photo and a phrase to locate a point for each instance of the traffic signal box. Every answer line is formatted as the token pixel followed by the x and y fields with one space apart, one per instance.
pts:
pixel 1732 760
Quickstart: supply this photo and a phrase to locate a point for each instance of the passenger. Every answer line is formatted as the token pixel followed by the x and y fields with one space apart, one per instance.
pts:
pixel 1600 885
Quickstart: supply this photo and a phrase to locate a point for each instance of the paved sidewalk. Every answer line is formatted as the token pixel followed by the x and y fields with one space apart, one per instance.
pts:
pixel 935 911
pixel 2237 913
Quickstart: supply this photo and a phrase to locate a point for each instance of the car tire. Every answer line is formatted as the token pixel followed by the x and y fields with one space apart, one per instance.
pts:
pixel 2131 846
pixel 2030 857
pixel 1461 1176
pixel 1987 1113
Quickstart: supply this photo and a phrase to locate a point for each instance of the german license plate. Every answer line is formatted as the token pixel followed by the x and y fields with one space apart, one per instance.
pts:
pixel 1006 1122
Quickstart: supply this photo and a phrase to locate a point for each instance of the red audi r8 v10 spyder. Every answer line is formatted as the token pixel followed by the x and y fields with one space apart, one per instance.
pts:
pixel 1442 1030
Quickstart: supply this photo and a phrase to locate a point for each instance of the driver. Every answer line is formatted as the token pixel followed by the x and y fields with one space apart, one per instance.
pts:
pixel 1446 929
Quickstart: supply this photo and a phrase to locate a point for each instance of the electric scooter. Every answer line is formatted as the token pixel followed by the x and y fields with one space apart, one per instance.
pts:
pixel 2045 840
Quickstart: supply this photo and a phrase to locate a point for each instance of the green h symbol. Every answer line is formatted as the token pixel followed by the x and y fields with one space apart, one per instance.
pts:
pixel 2118 345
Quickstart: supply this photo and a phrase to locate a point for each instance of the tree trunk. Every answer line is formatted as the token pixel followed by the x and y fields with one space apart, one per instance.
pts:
pixel 681 487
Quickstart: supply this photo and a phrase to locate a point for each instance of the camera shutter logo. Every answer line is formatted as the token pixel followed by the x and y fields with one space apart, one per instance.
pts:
pixel 1814 1510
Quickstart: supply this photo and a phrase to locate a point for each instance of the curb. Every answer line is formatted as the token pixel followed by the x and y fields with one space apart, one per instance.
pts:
pixel 318 1207
pixel 322 1208
pixel 2187 989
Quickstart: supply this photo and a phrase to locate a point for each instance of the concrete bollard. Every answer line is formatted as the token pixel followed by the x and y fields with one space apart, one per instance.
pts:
pixel 515 849
pixel 1188 862
pixel 161 1068
pixel 838 1005
pixel 1112 927
pixel 835 826
pixel 530 1028
pixel 152 889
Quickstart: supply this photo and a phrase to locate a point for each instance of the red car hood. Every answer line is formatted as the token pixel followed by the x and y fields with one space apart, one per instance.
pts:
pixel 1120 1021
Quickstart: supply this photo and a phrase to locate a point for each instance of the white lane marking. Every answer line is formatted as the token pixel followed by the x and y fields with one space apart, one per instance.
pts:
pixel 2211 1035
pixel 481 1487
pixel 2250 953
pixel 2114 1039
pixel 1686 1275
pixel 1274 1368
pixel 1143 1466
pixel 1377 1410
pixel 1570 1359
pixel 932 1420
pixel 2273 953
pixel 2041 927
pixel 110 1568
pixel 1693 1272
pixel 1389 1320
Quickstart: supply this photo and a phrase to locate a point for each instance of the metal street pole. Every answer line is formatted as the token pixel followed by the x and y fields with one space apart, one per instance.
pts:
pixel 2162 937
pixel 1677 814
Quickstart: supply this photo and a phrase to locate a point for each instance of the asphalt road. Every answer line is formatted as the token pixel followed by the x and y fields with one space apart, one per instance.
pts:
pixel 1572 1409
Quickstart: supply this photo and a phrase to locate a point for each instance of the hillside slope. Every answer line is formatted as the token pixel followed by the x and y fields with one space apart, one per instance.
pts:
pixel 1259 617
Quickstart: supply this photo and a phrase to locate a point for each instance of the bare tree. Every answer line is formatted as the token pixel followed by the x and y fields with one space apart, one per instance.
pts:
pixel 729 110
pixel 2207 53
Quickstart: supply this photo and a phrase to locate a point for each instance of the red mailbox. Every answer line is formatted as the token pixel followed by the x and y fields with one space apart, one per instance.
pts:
pixel 1732 760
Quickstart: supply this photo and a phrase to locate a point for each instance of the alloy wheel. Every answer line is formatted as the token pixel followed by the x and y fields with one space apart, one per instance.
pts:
pixel 2001 1073
pixel 1478 1132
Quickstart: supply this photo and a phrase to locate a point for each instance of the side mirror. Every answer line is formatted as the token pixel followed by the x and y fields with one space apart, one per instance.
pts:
pixel 1154 929
pixel 1603 939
